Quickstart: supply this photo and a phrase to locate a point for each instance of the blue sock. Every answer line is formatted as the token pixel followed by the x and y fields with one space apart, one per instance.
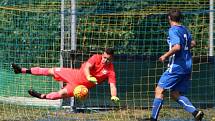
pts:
pixel 157 104
pixel 185 102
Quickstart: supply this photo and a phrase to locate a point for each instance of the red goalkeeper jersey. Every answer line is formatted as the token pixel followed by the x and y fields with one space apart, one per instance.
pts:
pixel 76 77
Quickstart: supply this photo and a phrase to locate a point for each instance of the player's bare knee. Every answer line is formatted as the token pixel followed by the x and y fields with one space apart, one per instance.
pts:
pixel 63 92
pixel 159 92
pixel 51 71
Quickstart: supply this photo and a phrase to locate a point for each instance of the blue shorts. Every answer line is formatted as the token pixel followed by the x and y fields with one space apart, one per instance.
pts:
pixel 175 82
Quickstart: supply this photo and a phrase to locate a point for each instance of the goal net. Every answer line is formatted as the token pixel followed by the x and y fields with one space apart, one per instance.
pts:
pixel 43 33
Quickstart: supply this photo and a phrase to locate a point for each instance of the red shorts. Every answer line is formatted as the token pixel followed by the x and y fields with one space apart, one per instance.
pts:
pixel 72 78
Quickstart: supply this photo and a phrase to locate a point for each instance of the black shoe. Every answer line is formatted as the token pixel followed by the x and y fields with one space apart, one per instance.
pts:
pixel 199 116
pixel 34 93
pixel 16 68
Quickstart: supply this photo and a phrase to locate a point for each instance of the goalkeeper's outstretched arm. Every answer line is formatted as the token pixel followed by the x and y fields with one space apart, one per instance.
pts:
pixel 113 91
pixel 87 69
pixel 87 73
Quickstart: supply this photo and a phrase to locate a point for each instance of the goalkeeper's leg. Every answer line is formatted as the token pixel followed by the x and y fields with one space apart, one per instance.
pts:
pixel 33 71
pixel 50 96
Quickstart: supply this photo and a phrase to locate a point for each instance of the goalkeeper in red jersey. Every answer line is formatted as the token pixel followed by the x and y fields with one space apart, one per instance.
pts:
pixel 96 70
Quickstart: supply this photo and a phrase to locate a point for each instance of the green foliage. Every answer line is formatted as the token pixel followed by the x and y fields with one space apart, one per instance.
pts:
pixel 28 32
pixel 133 27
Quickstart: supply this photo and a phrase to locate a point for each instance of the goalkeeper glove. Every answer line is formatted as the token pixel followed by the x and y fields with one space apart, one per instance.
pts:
pixel 115 99
pixel 92 79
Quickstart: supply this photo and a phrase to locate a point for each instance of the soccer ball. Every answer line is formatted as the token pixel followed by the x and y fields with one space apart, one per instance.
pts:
pixel 80 92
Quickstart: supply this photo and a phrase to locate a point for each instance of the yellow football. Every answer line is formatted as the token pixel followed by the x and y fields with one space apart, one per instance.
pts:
pixel 80 92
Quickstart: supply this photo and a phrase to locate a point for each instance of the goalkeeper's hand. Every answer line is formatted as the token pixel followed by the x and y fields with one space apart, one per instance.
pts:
pixel 92 79
pixel 115 99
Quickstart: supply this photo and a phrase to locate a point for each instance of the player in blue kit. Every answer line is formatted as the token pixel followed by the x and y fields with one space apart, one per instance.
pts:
pixel 177 76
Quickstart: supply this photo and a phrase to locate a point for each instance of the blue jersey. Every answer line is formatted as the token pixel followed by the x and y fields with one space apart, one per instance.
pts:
pixel 181 61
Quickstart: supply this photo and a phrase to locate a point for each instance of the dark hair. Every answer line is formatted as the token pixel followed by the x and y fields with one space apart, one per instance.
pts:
pixel 109 51
pixel 175 15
